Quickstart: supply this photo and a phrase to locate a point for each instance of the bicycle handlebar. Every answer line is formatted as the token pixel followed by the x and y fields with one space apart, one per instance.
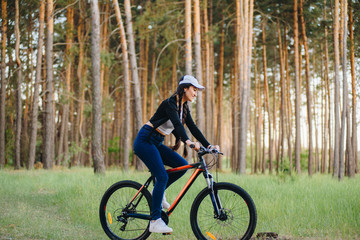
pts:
pixel 204 150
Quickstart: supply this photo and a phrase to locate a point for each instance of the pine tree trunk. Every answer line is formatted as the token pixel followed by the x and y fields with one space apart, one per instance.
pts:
pixel 62 153
pixel 18 91
pixel 3 81
pixel 308 94
pixel 198 74
pixel 244 54
pixel 219 94
pixel 266 90
pixel 336 92
pixel 127 113
pixel 345 96
pixel 97 154
pixel 134 74
pixel 282 98
pixel 208 105
pixel 288 102
pixel 81 68
pixel 35 104
pixel 353 86
pixel 49 128
pixel 188 51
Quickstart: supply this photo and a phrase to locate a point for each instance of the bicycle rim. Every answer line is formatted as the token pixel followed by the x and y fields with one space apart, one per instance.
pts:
pixel 113 206
pixel 238 220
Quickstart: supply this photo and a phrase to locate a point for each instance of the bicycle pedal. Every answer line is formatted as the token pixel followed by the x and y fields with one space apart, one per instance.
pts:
pixel 166 234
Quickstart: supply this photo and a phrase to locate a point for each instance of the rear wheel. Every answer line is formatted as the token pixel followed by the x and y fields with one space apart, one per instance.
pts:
pixel 237 219
pixel 115 206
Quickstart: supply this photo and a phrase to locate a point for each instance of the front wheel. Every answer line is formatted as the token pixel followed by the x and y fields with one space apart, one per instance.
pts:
pixel 237 218
pixel 120 200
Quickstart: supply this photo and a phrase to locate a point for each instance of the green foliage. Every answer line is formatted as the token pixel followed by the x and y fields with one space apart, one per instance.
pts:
pixel 107 58
pixel 114 145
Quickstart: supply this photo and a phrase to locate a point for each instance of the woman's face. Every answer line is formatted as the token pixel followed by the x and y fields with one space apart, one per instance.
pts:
pixel 190 93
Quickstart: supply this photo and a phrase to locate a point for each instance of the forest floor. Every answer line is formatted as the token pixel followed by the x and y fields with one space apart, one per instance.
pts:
pixel 64 203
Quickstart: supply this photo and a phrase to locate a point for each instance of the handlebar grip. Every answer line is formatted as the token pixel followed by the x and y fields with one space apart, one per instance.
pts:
pixel 192 145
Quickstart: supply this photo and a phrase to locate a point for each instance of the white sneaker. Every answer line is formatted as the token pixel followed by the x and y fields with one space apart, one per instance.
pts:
pixel 159 226
pixel 164 203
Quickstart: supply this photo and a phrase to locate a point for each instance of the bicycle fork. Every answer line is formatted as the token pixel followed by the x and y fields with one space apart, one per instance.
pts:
pixel 218 210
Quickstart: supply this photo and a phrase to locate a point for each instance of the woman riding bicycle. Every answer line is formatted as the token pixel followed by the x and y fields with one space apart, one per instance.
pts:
pixel 170 117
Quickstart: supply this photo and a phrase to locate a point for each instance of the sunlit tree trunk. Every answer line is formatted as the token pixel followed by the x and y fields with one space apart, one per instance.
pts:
pixel 18 91
pixel 288 102
pixel 336 91
pixel 3 81
pixel 345 97
pixel 308 94
pixel 97 154
pixel 266 90
pixel 63 142
pixel 79 135
pixel 104 77
pixel 317 163
pixel 35 104
pixel 198 71
pixel 134 74
pixel 353 86
pixel 282 97
pixel 188 55
pixel 125 59
pixel 207 82
pixel 297 90
pixel 327 143
pixel 49 128
pixel 244 54
pixel 219 94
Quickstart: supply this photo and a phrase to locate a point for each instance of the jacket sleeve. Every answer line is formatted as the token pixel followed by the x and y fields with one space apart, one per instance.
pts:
pixel 195 130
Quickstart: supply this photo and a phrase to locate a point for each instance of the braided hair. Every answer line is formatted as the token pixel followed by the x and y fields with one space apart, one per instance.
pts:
pixel 179 95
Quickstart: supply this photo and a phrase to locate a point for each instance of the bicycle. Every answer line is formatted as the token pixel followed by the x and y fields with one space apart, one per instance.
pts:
pixel 125 207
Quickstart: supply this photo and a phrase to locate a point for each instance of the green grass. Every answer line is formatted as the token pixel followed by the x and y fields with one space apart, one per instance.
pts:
pixel 63 204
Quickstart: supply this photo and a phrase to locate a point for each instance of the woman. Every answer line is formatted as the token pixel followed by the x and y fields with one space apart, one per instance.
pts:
pixel 170 117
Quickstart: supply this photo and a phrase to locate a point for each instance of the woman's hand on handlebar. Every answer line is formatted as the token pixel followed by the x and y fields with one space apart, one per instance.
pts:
pixel 216 147
pixel 193 145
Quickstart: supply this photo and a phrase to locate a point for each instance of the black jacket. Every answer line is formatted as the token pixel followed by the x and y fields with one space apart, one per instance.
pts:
pixel 168 109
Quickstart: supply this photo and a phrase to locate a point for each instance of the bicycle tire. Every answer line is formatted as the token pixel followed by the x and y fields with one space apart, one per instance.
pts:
pixel 240 214
pixel 112 205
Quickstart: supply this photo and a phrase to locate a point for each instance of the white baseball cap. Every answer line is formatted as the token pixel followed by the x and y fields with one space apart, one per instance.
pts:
pixel 193 81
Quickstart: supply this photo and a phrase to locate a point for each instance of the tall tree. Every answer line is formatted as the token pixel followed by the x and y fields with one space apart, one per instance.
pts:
pixel 97 154
pixel 49 128
pixel 336 91
pixel 297 90
pixel 219 91
pixel 208 105
pixel 3 81
pixel 35 104
pixel 81 77
pixel 63 142
pixel 18 90
pixel 353 87
pixel 345 96
pixel 308 80
pixel 188 51
pixel 282 128
pixel 134 73
pixel 266 89
pixel 125 59
pixel 244 54
pixel 198 72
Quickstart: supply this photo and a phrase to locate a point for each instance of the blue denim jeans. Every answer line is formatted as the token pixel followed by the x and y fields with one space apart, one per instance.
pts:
pixel 151 150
